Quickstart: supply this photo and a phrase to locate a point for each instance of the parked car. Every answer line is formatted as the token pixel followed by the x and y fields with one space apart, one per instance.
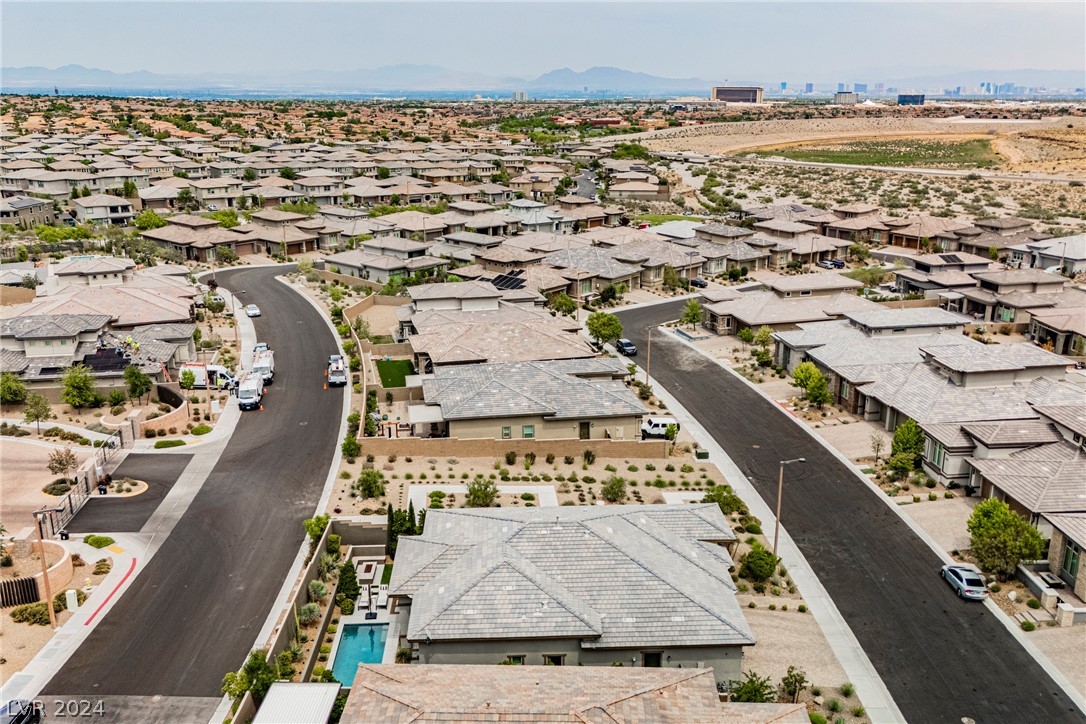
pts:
pixel 826 264
pixel 837 263
pixel 217 299
pixel 20 711
pixel 657 426
pixel 699 283
pixel 966 581
pixel 626 347
pixel 252 310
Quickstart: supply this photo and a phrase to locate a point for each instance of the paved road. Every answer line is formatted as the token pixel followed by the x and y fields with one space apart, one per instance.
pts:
pixel 586 184
pixel 196 609
pixel 128 515
pixel 941 658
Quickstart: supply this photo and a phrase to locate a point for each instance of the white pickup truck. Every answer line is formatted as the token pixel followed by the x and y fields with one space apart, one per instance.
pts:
pixel 337 371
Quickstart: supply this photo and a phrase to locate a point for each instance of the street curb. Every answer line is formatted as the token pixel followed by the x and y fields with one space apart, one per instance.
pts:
pixel 1054 673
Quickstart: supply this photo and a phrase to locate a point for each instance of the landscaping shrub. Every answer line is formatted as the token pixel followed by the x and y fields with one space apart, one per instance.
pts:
pixel 1033 603
pixel 103 566
pixel 32 613
pixel 1028 626
pixel 60 601
pixel 309 613
pixel 758 564
pixel 511 457
pixel 834 705
pixel 201 430
pixel 589 457
pixel 168 443
pixel 59 487
pixel 816 718
pixel 614 490
pixel 116 397
pixel 847 689
pixel 802 608
pixel 317 591
pixel 568 459
pixel 858 711
pixel 98 541
pixel 333 543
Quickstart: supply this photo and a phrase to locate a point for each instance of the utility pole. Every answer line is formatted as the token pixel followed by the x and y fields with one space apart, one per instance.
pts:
pixel 648 358
pixel 45 567
pixel 780 494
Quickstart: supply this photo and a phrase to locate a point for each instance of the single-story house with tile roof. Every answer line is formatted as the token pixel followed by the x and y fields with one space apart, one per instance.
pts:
pixel 367 264
pixel 1065 550
pixel 648 584
pixel 397 694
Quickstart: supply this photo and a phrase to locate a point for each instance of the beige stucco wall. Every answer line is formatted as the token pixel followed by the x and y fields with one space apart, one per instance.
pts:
pixel 620 428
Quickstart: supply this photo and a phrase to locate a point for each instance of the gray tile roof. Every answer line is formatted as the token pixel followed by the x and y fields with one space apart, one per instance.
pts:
pixel 1072 524
pixel 529 388
pixel 594 260
pixel 1012 433
pixel 1073 417
pixel 885 318
pixel 614 576
pixel 1048 479
pixel 52 326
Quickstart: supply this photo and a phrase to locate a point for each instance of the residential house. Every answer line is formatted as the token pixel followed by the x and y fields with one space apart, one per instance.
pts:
pixel 1066 254
pixel 26 212
pixel 103 209
pixel 594 268
pixel 367 263
pixel 196 238
pixel 920 231
pixel 390 694
pixel 777 310
pixel 1062 329
pixel 91 271
pixel 1065 558
pixel 461 588
pixel 1008 297
pixel 222 193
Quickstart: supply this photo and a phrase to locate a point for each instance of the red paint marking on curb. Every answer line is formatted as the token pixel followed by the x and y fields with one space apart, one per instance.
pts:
pixel 785 408
pixel 98 610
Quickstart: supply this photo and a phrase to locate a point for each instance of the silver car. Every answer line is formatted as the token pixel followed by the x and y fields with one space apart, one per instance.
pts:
pixel 966 582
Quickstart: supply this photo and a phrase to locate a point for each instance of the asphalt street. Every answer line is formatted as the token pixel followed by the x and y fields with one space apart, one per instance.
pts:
pixel 194 612
pixel 128 515
pixel 941 658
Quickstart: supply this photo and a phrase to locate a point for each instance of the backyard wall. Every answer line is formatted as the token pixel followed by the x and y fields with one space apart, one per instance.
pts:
pixel 176 419
pixel 348 280
pixel 450 447
pixel 370 301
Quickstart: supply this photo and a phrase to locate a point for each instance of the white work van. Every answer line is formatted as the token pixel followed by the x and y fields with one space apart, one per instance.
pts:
pixel 264 365
pixel 204 375
pixel 250 392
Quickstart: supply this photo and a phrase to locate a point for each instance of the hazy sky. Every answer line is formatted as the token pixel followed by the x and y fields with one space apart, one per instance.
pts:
pixel 722 40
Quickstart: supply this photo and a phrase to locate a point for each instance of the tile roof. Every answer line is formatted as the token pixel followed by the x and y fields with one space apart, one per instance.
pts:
pixel 1012 433
pixel 813 282
pixel 398 694
pixel 1073 417
pixel 1047 479
pixel 52 326
pixel 757 308
pixel 1072 524
pixel 626 576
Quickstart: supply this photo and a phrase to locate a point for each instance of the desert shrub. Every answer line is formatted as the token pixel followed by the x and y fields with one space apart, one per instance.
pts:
pixel 32 613
pixel 60 601
pixel 317 590
pixel 59 487
pixel 98 541
pixel 1033 603
pixel 103 566
pixel 847 689
pixel 309 613
pixel 201 429
pixel 168 443
pixel 1028 626
pixel 758 564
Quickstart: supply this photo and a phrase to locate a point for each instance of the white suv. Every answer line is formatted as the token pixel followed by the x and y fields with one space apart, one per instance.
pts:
pixel 657 426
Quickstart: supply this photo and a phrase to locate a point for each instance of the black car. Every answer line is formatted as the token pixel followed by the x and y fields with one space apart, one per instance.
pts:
pixel 19 711
pixel 699 283
pixel 626 347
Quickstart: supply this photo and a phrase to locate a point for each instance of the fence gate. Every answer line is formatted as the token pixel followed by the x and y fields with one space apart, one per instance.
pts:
pixel 17 591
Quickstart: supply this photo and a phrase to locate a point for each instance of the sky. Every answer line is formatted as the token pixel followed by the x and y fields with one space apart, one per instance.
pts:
pixel 719 40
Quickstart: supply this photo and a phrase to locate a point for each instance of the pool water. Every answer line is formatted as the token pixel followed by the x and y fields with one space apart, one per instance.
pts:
pixel 359 643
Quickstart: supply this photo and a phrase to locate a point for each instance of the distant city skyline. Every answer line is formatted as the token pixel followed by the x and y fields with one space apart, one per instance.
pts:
pixel 715 41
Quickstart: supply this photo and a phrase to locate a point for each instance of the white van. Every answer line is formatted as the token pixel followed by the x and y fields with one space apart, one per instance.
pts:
pixel 250 391
pixel 657 426
pixel 264 365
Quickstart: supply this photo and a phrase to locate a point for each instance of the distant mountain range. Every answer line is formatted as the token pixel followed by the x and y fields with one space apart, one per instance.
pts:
pixel 422 78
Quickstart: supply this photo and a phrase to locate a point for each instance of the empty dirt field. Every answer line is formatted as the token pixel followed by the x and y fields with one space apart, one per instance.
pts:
pixel 1051 145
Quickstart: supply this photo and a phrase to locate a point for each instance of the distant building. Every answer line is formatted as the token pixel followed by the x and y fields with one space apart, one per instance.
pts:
pixel 737 94
pixel 845 98
pixel 880 88
pixel 910 99
pixel 860 87
pixel 808 87
pixel 842 87
pixel 520 96
pixel 784 85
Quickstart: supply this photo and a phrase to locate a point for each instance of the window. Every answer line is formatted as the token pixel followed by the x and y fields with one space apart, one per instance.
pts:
pixel 517 659
pixel 1071 555
pixel 507 432
pixel 938 453
pixel 554 659
pixel 805 293
pixel 527 432
pixel 586 286
pixel 652 659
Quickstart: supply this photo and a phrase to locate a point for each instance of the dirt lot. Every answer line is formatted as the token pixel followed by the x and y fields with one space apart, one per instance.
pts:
pixel 25 473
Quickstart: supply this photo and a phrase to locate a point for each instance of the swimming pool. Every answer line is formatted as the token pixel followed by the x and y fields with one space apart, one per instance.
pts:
pixel 359 643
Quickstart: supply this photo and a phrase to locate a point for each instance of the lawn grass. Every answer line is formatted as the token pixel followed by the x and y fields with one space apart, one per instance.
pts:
pixel 394 372
pixel 655 219
pixel 386 575
pixel 976 153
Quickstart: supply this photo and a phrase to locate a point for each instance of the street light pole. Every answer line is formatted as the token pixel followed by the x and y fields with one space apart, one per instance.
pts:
pixel 45 567
pixel 648 359
pixel 780 495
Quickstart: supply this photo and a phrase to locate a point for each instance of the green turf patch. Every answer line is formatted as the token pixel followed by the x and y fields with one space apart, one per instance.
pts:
pixel 901 152
pixel 386 575
pixel 394 372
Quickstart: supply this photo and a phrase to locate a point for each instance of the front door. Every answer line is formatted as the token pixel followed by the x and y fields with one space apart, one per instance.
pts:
pixel 651 659
pixel 585 430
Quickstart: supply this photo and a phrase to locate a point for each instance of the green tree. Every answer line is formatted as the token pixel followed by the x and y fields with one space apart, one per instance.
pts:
pixel 757 564
pixel 562 303
pixel 818 393
pixel 371 483
pixel 249 175
pixel 21 254
pixel 1000 539
pixel 604 327
pixel 185 200
pixel 37 410
pixel 614 490
pixel 62 462
pixel 256 676
pixel 314 528
pixel 482 493
pixel 78 386
pixel 878 444
pixel 187 379
pixel 691 313
pixel 226 255
pixel 288 173
pixel 383 172
pixel 348 581
pixel 745 335
pixel 794 682
pixel 909 438
pixel 138 383
pixel 148 219
pixel 753 689
pixel 803 374
pixel 764 336
pixel 901 464
pixel 671 277
pixel 12 389
pixel 859 252
pixel 725 497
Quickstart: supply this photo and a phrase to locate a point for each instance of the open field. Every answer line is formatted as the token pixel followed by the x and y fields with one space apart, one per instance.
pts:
pixel 972 153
